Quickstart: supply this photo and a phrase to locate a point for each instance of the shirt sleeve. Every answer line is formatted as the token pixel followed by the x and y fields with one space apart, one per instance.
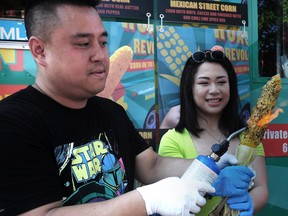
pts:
pixel 176 144
pixel 260 150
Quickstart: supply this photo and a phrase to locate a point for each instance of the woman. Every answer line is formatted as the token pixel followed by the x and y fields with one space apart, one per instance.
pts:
pixel 209 113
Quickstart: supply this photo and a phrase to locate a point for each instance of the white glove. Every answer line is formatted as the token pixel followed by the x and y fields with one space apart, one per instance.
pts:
pixel 174 196
pixel 227 160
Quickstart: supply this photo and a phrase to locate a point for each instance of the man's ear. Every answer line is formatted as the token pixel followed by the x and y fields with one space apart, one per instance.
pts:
pixel 37 46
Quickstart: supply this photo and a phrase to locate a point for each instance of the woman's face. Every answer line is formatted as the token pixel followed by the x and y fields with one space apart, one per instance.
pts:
pixel 211 89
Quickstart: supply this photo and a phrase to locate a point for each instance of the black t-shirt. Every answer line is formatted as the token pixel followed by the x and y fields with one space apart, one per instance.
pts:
pixel 49 152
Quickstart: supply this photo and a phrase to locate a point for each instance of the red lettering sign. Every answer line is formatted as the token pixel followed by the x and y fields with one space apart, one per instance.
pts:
pixel 275 140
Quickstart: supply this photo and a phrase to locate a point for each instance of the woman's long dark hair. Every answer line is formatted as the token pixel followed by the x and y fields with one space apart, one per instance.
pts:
pixel 230 120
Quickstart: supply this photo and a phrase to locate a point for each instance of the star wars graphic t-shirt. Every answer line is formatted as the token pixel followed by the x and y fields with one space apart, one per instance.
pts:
pixel 54 153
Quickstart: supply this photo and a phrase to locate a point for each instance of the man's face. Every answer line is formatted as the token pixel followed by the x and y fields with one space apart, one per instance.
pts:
pixel 76 55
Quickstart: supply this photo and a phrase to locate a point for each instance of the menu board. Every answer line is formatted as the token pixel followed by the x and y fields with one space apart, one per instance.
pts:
pixel 211 12
pixel 126 9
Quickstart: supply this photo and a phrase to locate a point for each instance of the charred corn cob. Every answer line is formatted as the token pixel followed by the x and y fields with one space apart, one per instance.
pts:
pixel 251 137
pixel 246 151
pixel 264 106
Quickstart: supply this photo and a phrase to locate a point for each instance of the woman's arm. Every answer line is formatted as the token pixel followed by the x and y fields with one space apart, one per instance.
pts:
pixel 171 119
pixel 259 192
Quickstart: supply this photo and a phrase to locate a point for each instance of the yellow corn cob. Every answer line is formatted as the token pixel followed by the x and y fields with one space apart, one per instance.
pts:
pixel 119 62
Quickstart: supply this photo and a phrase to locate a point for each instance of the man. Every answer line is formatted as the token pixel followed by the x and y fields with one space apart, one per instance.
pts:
pixel 61 145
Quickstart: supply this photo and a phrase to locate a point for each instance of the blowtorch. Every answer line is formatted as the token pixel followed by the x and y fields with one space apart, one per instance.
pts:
pixel 204 167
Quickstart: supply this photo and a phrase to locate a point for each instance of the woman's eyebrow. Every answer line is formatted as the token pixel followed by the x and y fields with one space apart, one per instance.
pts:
pixel 218 77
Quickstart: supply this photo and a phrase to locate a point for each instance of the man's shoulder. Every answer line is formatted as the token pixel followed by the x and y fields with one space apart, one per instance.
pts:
pixel 14 99
pixel 106 103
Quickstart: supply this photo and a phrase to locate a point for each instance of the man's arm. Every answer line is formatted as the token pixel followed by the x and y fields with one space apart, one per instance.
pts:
pixel 127 204
pixel 150 167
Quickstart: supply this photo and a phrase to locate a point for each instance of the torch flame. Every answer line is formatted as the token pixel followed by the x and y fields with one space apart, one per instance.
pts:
pixel 269 117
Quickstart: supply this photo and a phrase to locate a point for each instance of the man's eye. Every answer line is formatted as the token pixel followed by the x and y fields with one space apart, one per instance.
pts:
pixel 104 43
pixel 82 44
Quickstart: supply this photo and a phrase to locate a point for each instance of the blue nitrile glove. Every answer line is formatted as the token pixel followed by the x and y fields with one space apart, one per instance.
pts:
pixel 243 203
pixel 233 180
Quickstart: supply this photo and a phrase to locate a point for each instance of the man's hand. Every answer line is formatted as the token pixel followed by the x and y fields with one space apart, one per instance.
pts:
pixel 174 196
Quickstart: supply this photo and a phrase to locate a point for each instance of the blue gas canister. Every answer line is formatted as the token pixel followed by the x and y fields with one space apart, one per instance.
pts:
pixel 203 168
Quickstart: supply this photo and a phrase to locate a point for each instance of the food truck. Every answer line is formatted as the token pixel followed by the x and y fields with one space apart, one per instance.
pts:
pixel 157 43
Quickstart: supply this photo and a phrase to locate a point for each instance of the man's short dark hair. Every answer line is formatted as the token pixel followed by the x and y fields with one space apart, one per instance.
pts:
pixel 41 15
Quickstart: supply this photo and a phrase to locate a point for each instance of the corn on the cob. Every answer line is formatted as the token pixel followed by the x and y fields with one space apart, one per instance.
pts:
pixel 264 106
pixel 246 151
pixel 119 62
pixel 251 137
